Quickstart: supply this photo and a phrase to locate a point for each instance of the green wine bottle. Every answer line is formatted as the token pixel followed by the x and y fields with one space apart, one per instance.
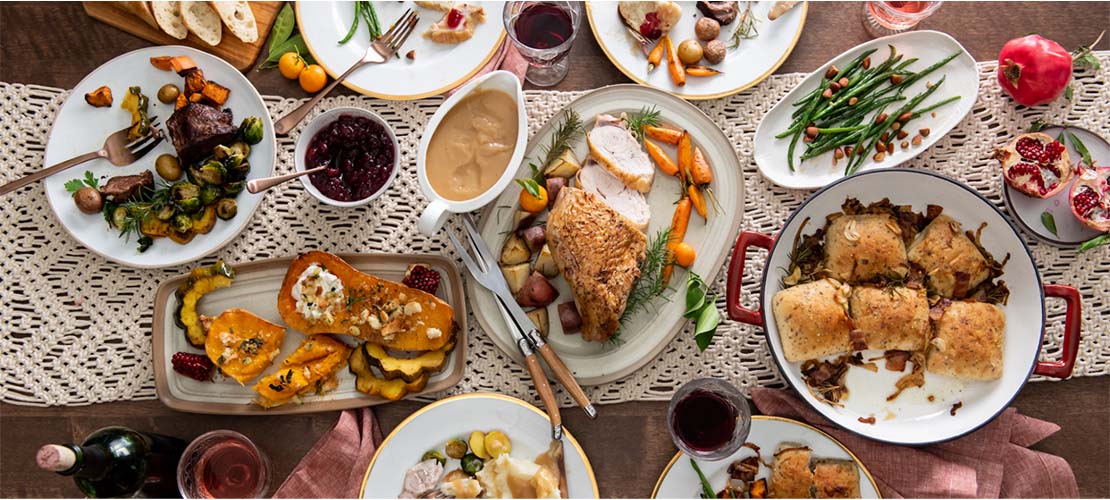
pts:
pixel 118 462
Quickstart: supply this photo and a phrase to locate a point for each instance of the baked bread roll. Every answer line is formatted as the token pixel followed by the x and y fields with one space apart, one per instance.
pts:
pixel 952 262
pixel 890 318
pixel 860 248
pixel 813 320
pixel 969 341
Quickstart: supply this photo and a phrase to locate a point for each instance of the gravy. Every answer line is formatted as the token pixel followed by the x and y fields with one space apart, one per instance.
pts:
pixel 473 144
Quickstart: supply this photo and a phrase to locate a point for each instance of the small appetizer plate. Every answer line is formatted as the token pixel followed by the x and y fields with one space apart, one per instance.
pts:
pixel 1029 211
pixel 961 79
pixel 80 128
pixel 255 288
pixel 679 480
pixel 430 427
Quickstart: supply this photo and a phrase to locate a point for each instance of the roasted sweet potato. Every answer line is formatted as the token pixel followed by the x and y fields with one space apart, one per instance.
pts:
pixel 163 63
pixel 373 309
pixel 194 82
pixel 182 64
pixel 99 98
pixel 180 102
pixel 215 93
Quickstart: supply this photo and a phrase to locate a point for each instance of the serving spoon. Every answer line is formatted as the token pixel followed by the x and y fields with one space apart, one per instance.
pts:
pixel 259 185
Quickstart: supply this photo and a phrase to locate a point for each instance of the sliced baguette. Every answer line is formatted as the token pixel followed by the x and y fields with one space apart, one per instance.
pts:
pixel 202 21
pixel 238 18
pixel 168 17
pixel 140 10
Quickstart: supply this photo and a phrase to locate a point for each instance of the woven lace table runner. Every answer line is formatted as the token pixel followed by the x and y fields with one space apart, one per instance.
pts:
pixel 75 329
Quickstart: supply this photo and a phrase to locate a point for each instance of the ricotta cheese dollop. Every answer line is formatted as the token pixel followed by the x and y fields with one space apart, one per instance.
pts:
pixel 318 292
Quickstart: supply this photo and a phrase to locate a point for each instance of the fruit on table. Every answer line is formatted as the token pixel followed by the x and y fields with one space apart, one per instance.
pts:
pixel 408 369
pixel 201 281
pixel 684 254
pixel 690 51
pixel 290 65
pixel 1034 70
pixel 1090 198
pixel 1036 164
pixel 422 277
pixel 312 78
pixel 533 197
pixel 194 366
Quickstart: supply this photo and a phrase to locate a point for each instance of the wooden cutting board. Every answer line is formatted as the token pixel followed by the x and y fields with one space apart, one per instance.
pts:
pixel 231 49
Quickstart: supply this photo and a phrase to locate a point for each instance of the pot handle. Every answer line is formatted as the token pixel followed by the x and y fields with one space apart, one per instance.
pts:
pixel 1063 367
pixel 736 311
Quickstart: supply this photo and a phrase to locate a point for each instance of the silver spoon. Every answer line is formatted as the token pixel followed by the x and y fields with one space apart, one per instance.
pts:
pixel 259 185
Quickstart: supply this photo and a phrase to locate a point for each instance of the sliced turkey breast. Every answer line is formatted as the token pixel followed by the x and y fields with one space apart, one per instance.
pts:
pixel 615 148
pixel 593 178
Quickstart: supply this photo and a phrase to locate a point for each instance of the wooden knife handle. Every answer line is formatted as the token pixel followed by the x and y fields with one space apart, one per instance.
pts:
pixel 544 389
pixel 566 378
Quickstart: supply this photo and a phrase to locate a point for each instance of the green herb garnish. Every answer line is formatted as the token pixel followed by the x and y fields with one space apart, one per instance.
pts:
pixel 706 488
pixel 89 180
pixel 1049 222
pixel 637 121
pixel 702 310
pixel 1037 125
pixel 745 27
pixel 1081 149
pixel 1082 57
pixel 570 129
pixel 530 185
pixel 283 27
pixel 650 284
pixel 1069 92
pixel 1095 242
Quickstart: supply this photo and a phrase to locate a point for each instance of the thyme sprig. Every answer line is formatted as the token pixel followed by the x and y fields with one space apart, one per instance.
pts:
pixel 745 27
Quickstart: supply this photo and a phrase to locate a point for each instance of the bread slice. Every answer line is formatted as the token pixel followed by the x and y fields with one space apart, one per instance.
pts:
pixel 140 10
pixel 168 17
pixel 615 148
pixel 238 18
pixel 202 21
pixel 834 478
pixel 790 473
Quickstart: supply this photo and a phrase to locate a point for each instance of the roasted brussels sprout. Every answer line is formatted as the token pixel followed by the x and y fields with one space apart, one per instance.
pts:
pixel 434 454
pixel 226 208
pixel 456 448
pixel 241 148
pixel 221 151
pixel 183 190
pixel 232 161
pixel 190 205
pixel 167 167
pixel 164 213
pixel 471 464
pixel 119 217
pixel 251 130
pixel 182 223
pixel 209 194
pixel 233 189
pixel 211 173
pixel 144 243
pixel 238 173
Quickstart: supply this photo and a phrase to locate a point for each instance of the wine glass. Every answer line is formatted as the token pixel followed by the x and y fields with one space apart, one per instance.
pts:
pixel 223 464
pixel 709 419
pixel 882 18
pixel 543 32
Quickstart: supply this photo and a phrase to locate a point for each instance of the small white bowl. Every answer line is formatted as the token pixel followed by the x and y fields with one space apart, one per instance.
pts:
pixel 325 119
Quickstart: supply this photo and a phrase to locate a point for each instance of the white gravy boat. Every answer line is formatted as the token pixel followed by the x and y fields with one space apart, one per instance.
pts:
pixel 440 208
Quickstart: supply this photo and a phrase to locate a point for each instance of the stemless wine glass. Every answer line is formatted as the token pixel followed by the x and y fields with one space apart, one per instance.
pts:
pixel 223 464
pixel 709 419
pixel 543 32
pixel 882 18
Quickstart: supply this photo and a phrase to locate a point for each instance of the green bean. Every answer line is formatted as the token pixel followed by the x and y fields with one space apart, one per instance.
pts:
pixel 934 106
pixel 354 25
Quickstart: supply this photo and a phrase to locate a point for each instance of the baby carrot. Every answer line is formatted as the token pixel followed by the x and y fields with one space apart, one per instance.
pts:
pixel 660 158
pixel 701 172
pixel 685 156
pixel 679 223
pixel 678 72
pixel 698 201
pixel 656 55
pixel 701 71
pixel 663 134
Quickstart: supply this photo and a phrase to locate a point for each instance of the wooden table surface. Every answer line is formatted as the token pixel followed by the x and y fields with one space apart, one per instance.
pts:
pixel 56 44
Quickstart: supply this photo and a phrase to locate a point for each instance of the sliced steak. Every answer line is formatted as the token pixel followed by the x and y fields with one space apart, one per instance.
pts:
pixel 198 128
pixel 123 187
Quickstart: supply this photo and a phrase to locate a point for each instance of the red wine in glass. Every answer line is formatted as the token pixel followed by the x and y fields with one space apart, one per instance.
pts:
pixel 704 420
pixel 228 470
pixel 543 26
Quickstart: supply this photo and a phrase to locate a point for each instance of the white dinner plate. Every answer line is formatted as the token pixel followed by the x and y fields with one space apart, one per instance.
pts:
pixel 679 480
pixel 430 427
pixel 80 128
pixel 435 68
pixel 648 331
pixel 743 67
pixel 929 47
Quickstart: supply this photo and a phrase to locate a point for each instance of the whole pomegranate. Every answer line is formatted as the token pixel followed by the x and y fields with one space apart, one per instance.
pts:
pixel 1090 198
pixel 1036 164
pixel 1034 70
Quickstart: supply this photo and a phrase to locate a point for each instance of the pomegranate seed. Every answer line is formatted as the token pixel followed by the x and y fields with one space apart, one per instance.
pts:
pixel 1085 201
pixel 1029 148
pixel 422 277
pixel 194 366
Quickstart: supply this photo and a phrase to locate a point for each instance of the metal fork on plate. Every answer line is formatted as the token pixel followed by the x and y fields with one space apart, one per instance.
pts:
pixel 379 52
pixel 117 149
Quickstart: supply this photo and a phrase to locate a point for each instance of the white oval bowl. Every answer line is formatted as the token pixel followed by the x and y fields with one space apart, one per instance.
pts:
pixel 309 131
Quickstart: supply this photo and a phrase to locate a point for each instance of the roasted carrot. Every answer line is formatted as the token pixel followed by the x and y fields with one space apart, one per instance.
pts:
pixel 679 223
pixel 674 66
pixel 698 201
pixel 660 158
pixel 685 156
pixel 663 134
pixel 701 172
pixel 162 63
pixel 656 55
pixel 701 71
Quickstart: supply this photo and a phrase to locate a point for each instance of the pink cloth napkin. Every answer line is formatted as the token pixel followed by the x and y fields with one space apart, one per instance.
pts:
pixel 992 462
pixel 506 58
pixel 337 463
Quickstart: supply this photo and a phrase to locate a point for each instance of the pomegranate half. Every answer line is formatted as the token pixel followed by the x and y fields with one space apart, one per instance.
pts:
pixel 1036 164
pixel 1090 198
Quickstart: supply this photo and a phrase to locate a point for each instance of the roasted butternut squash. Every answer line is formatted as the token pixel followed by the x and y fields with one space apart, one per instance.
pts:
pixel 323 294
pixel 310 369
pixel 243 345
pixel 201 281
pixel 408 369
pixel 369 383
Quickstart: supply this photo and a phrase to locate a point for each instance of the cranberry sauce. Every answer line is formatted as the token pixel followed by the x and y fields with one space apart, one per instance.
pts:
pixel 359 155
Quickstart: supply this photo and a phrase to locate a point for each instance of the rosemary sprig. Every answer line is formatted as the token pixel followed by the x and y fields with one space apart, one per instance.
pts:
pixel 650 284
pixel 570 129
pixel 1095 242
pixel 138 210
pixel 637 121
pixel 745 27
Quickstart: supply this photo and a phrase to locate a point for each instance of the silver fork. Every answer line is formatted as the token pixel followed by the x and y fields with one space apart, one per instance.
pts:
pixel 116 149
pixel 378 52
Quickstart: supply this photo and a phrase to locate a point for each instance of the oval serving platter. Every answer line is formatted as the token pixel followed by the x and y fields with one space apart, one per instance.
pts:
pixel 649 330
pixel 929 47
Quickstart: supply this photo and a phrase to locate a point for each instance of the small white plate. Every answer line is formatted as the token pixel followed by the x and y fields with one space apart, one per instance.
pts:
pixel 743 67
pixel 430 427
pixel 304 138
pixel 435 69
pixel 679 480
pixel 80 128
pixel 929 47
pixel 1027 210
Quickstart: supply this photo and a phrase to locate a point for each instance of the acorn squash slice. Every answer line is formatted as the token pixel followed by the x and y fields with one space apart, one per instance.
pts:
pixel 243 345
pixel 368 382
pixel 407 369
pixel 200 282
